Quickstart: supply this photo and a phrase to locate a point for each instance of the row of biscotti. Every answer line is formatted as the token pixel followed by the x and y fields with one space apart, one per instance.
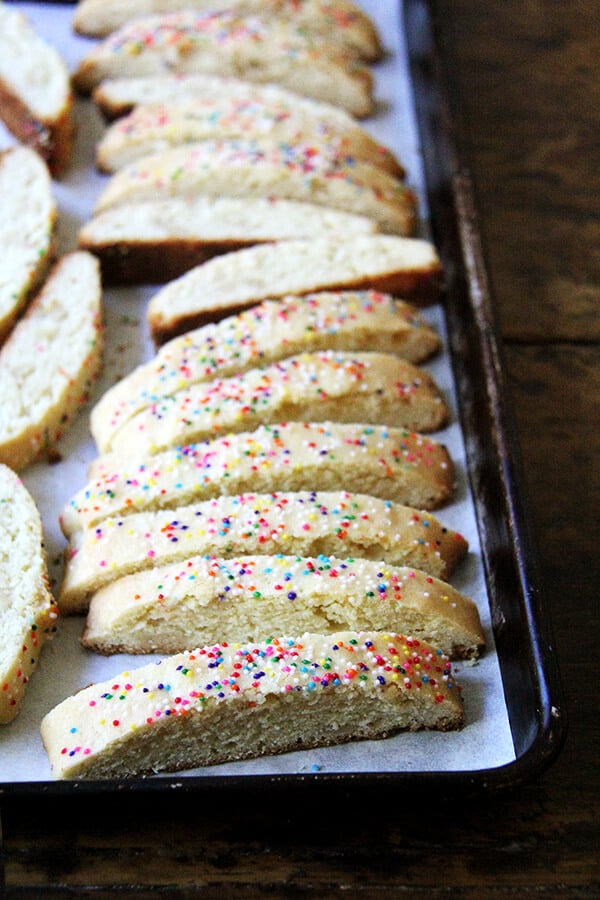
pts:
pixel 144 577
pixel 189 414
pixel 179 547
pixel 50 334
pixel 221 164
pixel 50 315
pixel 48 363
pixel 205 418
pixel 220 577
pixel 237 165
pixel 159 570
pixel 210 157
pixel 244 402
pixel 313 47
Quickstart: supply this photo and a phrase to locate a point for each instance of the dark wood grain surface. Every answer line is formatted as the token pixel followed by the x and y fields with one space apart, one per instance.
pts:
pixel 529 83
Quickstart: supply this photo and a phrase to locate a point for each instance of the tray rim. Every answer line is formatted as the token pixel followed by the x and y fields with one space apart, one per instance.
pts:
pixel 451 196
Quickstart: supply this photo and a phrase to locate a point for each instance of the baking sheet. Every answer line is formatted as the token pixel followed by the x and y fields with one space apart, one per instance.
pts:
pixel 486 741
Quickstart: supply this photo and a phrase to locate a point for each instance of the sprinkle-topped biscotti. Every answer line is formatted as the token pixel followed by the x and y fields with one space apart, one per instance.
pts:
pixel 36 103
pixel 282 117
pixel 28 611
pixel 311 172
pixel 303 523
pixel 50 360
pixel 353 28
pixel 174 608
pixel 258 48
pixel 116 97
pixel 373 387
pixel 228 702
pixel 154 241
pixel 389 463
pixel 270 331
pixel 27 250
pixel 408 267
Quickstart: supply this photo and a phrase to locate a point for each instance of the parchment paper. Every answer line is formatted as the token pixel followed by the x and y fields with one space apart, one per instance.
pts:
pixel 486 740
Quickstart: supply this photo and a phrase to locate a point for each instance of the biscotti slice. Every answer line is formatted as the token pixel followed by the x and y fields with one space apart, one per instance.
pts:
pixel 273 330
pixel 310 172
pixel 28 611
pixel 378 388
pixel 227 702
pixel 50 360
pixel 201 600
pixel 36 103
pixel 27 230
pixel 285 119
pixel 353 28
pixel 116 97
pixel 389 463
pixel 303 523
pixel 408 267
pixel 257 48
pixel 153 242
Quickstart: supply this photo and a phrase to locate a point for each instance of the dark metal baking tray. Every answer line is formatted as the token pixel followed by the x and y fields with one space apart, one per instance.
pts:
pixel 520 621
pixel 521 624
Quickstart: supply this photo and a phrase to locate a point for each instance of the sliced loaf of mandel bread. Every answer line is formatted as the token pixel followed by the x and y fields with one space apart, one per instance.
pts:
pixel 389 463
pixel 152 242
pixel 270 331
pixel 311 172
pixel 28 611
pixel 283 118
pixel 50 360
pixel 116 97
pixel 288 693
pixel 36 103
pixel 303 523
pixel 207 599
pixel 258 48
pixel 27 251
pixel 373 387
pixel 408 267
pixel 353 28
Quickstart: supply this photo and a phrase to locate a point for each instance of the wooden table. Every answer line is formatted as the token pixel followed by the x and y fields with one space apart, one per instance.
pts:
pixel 527 72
